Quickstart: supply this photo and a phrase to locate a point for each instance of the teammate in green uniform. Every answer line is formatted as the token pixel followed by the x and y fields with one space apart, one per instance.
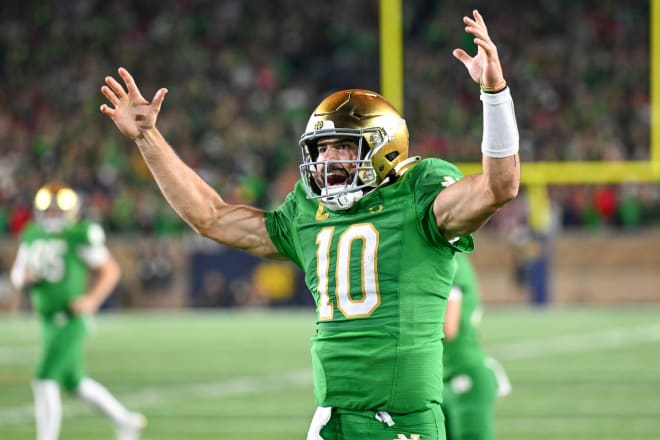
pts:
pixel 472 381
pixel 373 230
pixel 56 255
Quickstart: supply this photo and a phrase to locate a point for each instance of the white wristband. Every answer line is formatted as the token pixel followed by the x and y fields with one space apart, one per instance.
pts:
pixel 500 137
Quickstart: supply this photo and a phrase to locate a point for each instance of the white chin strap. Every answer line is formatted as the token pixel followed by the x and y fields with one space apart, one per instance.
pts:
pixel 339 202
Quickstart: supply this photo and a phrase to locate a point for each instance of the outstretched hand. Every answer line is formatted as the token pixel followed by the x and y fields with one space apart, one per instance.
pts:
pixel 130 111
pixel 484 67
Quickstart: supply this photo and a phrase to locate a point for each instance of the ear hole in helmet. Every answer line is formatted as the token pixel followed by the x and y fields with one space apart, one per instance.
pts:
pixel 391 156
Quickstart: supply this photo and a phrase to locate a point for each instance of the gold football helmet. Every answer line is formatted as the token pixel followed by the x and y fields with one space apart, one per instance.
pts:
pixel 382 137
pixel 56 205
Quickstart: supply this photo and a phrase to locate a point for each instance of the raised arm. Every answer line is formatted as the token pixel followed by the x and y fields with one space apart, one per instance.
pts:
pixel 238 226
pixel 468 204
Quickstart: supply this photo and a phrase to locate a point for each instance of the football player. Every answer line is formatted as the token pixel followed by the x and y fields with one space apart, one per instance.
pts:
pixel 57 254
pixel 472 381
pixel 375 232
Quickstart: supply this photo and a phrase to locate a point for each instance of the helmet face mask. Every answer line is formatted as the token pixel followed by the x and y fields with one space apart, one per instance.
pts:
pixel 378 129
pixel 320 174
pixel 56 206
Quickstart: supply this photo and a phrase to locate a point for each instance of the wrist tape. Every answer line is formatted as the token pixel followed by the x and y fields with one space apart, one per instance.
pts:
pixel 500 136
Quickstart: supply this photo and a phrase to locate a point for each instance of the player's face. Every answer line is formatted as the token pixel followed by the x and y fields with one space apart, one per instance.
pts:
pixel 336 149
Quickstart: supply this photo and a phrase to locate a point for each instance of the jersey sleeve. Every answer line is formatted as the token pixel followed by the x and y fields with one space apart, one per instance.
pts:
pixel 19 268
pixel 92 249
pixel 21 264
pixel 280 226
pixel 430 177
pixel 455 293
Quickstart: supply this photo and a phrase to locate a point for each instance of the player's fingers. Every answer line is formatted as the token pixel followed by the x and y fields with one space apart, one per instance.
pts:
pixel 469 22
pixel 478 31
pixel 476 27
pixel 479 19
pixel 110 95
pixel 106 110
pixel 158 98
pixel 130 82
pixel 115 86
pixel 462 56
pixel 474 23
pixel 487 46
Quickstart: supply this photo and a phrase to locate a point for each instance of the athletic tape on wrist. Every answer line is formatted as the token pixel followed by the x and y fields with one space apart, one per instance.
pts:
pixel 500 136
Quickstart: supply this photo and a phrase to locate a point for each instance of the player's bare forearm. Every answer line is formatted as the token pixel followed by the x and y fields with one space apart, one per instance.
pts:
pixel 106 278
pixel 452 322
pixel 199 205
pixel 243 227
pixel 466 205
pixel 182 187
pixel 502 178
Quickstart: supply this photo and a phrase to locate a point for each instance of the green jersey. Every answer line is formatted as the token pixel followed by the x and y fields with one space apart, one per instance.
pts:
pixel 60 261
pixel 380 273
pixel 465 349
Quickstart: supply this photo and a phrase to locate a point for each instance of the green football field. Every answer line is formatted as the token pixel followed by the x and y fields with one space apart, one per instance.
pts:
pixel 576 373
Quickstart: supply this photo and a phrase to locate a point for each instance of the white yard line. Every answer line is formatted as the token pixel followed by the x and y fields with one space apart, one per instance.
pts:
pixel 153 397
pixel 577 343
pixel 18 355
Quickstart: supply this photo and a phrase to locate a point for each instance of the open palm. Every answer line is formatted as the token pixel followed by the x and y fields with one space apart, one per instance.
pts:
pixel 130 111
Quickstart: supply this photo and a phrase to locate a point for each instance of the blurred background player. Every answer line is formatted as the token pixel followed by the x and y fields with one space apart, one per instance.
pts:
pixel 472 380
pixel 56 256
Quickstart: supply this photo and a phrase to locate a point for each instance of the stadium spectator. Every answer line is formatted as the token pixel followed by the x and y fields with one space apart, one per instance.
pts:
pixel 65 265
pixel 362 208
pixel 585 65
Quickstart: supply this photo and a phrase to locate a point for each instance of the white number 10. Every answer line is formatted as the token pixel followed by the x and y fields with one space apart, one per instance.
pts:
pixel 367 237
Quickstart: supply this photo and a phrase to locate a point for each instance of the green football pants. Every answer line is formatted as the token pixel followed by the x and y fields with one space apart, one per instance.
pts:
pixel 63 336
pixel 468 404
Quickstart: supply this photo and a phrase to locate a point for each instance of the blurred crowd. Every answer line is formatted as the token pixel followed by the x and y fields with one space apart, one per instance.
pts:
pixel 243 77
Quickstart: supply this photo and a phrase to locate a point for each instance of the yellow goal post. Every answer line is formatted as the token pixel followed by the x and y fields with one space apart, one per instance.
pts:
pixel 537 175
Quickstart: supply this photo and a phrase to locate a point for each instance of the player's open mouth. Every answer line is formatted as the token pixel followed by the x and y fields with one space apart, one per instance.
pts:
pixel 337 177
